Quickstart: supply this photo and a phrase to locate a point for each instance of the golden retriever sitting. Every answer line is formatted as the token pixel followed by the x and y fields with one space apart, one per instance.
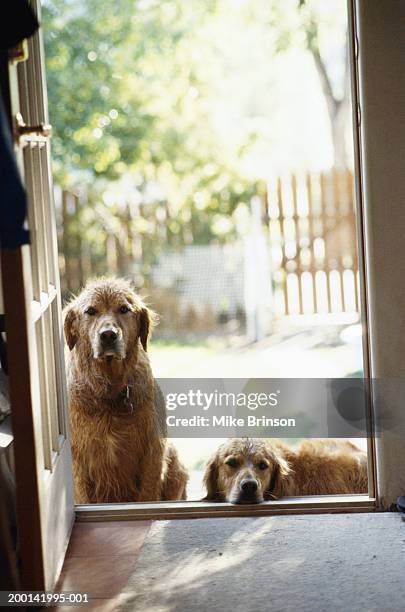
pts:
pixel 117 411
pixel 249 471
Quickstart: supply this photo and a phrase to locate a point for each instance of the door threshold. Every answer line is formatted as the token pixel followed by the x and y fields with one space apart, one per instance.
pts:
pixel 200 509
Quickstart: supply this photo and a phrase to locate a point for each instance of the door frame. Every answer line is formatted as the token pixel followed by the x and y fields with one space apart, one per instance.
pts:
pixel 380 54
pixel 307 504
pixel 365 314
pixel 325 504
pixel 376 345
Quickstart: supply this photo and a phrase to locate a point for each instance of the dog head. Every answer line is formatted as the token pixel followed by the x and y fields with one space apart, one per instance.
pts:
pixel 107 320
pixel 245 471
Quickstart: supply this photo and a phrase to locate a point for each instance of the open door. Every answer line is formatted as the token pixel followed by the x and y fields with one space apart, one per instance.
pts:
pixel 32 306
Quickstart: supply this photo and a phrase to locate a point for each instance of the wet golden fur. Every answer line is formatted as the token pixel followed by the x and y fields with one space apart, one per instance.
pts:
pixel 316 467
pixel 119 455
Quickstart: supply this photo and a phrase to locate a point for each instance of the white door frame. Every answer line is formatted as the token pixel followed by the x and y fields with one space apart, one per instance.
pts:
pixel 379 64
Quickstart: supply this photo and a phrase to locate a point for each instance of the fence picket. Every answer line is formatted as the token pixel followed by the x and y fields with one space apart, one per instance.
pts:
pixel 298 261
pixel 311 240
pixel 283 243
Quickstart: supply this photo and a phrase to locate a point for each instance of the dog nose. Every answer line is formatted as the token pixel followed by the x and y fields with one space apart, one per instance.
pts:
pixel 108 336
pixel 248 486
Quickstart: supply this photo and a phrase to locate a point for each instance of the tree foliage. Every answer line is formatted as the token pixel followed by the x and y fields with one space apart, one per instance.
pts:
pixel 131 100
pixel 126 96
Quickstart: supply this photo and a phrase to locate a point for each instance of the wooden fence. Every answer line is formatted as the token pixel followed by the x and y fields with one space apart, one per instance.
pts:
pixel 309 221
pixel 92 240
pixel 95 240
pixel 313 243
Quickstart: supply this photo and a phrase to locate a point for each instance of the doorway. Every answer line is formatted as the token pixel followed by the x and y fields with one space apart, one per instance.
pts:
pixel 206 152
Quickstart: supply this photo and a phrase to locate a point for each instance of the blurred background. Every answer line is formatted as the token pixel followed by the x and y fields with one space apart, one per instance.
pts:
pixel 203 148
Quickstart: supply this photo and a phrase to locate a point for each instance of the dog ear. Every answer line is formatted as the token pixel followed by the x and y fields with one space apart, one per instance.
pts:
pixel 147 320
pixel 69 327
pixel 211 480
pixel 281 470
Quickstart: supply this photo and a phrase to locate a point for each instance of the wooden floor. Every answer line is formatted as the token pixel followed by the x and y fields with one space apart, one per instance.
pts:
pixel 99 561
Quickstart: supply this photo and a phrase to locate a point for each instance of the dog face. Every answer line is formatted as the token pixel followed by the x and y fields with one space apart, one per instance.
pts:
pixel 245 471
pixel 106 320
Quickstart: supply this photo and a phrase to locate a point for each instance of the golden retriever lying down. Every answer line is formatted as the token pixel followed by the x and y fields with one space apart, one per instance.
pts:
pixel 117 411
pixel 249 471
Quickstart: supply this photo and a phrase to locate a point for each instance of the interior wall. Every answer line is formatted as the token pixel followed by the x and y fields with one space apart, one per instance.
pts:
pixel 381 63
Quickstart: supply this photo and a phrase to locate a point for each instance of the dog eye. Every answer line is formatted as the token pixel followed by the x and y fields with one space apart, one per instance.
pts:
pixel 262 465
pixel 90 311
pixel 124 309
pixel 232 462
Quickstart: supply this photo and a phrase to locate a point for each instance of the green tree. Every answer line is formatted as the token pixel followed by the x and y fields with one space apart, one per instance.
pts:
pixel 126 96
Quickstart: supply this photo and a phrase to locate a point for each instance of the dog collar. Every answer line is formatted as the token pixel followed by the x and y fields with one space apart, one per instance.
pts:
pixel 127 399
pixel 122 403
